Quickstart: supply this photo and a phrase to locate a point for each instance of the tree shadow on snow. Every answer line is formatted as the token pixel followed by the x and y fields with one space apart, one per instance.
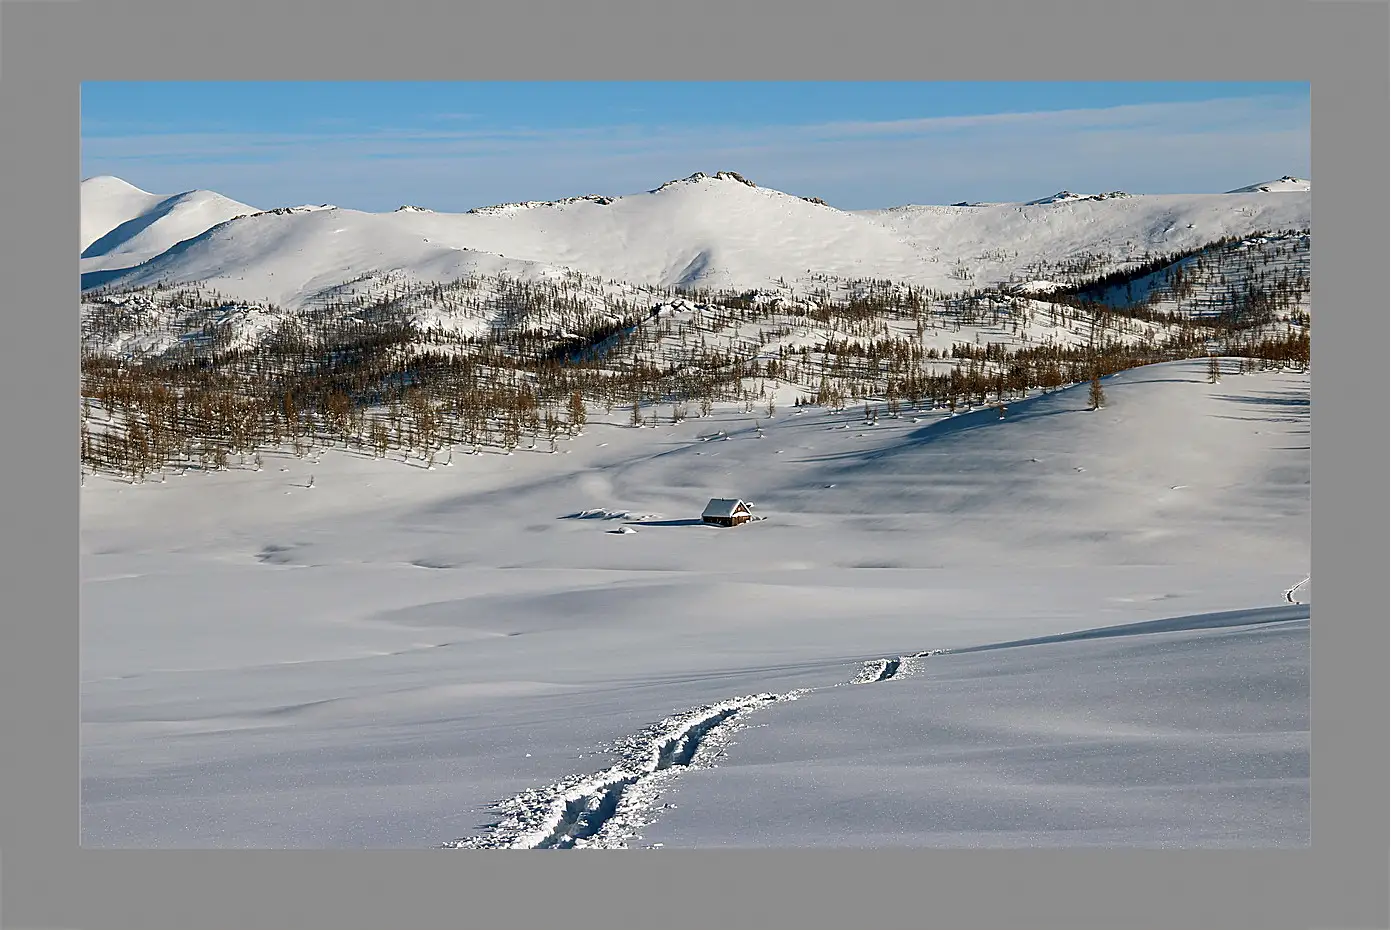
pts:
pixel 1281 407
pixel 936 431
pixel 1282 399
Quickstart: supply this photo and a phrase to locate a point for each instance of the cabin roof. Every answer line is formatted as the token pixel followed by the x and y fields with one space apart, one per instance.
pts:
pixel 724 507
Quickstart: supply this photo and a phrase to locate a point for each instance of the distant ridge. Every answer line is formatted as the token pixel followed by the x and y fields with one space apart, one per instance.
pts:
pixel 714 232
pixel 1286 183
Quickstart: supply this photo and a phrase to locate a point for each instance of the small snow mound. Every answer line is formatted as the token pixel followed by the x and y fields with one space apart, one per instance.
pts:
pixel 600 513
pixel 623 531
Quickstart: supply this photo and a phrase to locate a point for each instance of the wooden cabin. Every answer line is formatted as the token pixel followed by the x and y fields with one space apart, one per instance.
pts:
pixel 726 512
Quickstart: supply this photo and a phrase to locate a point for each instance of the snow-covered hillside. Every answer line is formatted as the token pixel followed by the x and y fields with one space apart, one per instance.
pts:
pixel 376 659
pixel 1280 185
pixel 997 243
pixel 123 226
pixel 717 232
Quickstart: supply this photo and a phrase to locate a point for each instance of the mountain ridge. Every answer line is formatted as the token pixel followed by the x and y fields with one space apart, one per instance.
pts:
pixel 718 231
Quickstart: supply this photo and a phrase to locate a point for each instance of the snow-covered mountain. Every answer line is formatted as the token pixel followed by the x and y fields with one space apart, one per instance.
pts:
pixel 716 231
pixel 424 616
pixel 990 243
pixel 123 225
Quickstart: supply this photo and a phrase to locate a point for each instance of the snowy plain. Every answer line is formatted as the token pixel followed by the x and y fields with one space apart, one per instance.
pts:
pixel 379 659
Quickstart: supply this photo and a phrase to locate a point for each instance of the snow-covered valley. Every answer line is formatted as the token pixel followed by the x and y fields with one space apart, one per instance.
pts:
pixel 948 624
pixel 375 660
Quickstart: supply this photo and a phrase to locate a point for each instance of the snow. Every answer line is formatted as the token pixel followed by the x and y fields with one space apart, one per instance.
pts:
pixel 123 226
pixel 713 232
pixel 1069 196
pixel 107 202
pixel 291 259
pixel 994 242
pixel 1195 740
pixel 1284 184
pixel 404 656
pixel 1036 287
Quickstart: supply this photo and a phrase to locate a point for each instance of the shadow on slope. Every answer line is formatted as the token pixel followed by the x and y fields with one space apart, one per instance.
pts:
pixel 94 279
pixel 133 227
pixel 1069 400
pixel 1208 621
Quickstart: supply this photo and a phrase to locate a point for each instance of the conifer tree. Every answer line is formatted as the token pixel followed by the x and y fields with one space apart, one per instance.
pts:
pixel 1096 396
pixel 578 417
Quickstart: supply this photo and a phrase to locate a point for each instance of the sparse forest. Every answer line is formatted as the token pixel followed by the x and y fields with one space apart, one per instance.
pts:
pixel 183 379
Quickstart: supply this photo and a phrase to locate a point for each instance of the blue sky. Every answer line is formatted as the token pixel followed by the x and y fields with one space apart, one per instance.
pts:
pixel 374 146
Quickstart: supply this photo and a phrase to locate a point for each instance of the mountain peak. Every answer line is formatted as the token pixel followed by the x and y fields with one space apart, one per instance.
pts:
pixel 702 176
pixel 109 183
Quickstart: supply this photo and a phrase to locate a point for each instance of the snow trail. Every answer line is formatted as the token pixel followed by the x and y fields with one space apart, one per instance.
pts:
pixel 878 670
pixel 1289 594
pixel 603 810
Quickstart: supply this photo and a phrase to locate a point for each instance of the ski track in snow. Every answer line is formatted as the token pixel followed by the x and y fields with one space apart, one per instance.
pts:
pixel 605 810
pixel 878 670
pixel 1289 594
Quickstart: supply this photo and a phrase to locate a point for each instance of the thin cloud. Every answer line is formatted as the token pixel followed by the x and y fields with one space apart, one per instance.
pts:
pixel 894 157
